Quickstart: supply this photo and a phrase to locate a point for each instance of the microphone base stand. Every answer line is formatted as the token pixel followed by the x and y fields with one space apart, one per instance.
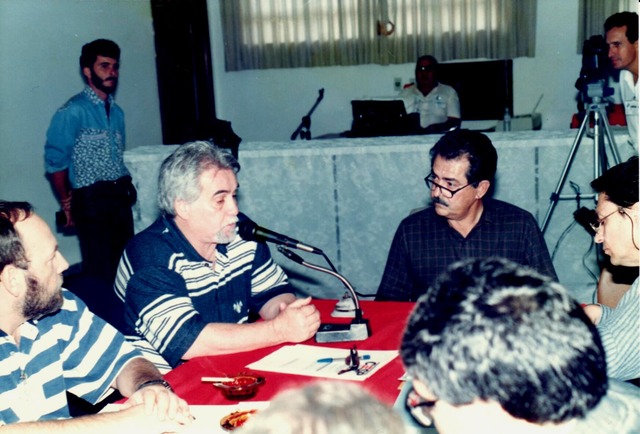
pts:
pixel 358 330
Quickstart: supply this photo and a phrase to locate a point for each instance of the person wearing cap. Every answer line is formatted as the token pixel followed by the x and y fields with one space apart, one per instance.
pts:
pixel 617 228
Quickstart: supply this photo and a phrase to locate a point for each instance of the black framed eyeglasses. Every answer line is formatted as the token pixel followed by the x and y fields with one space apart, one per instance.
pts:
pixel 420 408
pixel 446 192
pixel 596 225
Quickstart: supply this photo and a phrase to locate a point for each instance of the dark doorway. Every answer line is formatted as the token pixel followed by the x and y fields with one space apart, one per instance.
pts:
pixel 184 68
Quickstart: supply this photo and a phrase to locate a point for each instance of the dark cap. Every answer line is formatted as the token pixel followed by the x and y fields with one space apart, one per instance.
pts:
pixel 620 183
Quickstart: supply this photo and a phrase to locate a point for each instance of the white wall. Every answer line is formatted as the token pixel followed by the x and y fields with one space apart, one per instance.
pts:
pixel 40 42
pixel 269 104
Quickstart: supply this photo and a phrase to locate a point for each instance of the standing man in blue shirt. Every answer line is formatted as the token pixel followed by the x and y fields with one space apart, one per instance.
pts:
pixel 84 159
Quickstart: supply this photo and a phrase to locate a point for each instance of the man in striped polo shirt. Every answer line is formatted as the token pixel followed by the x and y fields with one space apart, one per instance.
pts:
pixel 190 282
pixel 51 343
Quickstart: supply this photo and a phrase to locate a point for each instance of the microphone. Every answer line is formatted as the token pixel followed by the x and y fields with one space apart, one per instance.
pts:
pixel 358 330
pixel 250 231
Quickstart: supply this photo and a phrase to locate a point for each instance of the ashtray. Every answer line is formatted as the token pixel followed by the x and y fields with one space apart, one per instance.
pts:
pixel 241 386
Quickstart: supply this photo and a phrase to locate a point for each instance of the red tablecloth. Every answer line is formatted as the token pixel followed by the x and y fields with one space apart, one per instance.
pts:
pixel 387 321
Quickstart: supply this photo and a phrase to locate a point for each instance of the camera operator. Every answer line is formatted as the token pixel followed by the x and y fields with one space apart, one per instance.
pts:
pixel 621 33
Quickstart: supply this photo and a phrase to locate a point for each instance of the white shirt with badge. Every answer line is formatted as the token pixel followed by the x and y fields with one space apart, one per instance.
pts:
pixel 629 95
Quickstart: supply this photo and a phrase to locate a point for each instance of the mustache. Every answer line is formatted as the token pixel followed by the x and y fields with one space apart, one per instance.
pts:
pixel 438 200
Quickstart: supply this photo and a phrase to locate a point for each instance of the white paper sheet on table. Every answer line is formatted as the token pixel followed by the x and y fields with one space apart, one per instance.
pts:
pixel 208 417
pixel 303 360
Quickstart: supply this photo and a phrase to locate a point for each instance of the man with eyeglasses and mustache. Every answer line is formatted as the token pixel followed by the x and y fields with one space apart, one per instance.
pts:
pixel 462 221
pixel 495 347
pixel 190 283
pixel 617 228
pixel 84 161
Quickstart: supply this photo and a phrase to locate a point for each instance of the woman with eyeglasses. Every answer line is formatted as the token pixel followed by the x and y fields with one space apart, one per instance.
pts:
pixel 618 230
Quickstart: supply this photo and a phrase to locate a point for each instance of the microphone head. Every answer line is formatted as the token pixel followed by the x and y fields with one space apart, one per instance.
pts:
pixel 247 230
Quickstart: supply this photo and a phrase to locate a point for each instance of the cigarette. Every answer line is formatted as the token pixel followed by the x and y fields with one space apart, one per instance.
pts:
pixel 216 379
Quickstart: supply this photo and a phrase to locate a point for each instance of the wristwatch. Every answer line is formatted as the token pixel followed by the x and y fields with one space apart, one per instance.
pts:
pixel 159 381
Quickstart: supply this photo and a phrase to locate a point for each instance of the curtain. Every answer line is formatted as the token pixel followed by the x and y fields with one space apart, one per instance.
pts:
pixel 593 13
pixel 261 34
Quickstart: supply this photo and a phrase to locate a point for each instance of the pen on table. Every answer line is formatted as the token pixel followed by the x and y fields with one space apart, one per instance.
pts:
pixel 333 359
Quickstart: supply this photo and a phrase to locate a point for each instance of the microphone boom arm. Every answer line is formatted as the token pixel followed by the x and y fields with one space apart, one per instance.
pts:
pixel 359 328
pixel 304 128
pixel 289 254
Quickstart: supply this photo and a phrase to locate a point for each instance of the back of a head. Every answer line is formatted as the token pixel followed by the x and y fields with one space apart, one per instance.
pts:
pixel 99 47
pixel 327 407
pixel 179 176
pixel 493 330
pixel 621 19
pixel 620 183
pixel 477 147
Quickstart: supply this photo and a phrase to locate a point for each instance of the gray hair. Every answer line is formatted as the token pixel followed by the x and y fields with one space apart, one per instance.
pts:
pixel 180 172
pixel 326 407
pixel 493 330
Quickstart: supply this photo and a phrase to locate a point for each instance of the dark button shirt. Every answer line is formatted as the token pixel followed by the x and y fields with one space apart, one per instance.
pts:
pixel 424 245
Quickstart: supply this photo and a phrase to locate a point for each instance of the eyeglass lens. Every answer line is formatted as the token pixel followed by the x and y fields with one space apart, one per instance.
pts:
pixel 596 225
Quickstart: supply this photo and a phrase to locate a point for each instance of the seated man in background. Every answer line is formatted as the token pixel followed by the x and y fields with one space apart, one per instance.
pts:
pixel 437 104
pixel 51 343
pixel 496 345
pixel 327 407
pixel 189 282
pixel 462 222
pixel 618 230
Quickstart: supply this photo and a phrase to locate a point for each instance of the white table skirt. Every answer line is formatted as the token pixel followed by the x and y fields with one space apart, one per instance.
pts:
pixel 347 196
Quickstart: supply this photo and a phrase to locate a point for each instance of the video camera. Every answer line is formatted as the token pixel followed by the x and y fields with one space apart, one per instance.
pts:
pixel 595 68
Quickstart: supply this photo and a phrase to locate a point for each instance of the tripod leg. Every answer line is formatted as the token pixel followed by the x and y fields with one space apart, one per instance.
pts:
pixel 563 177
pixel 612 143
pixel 600 163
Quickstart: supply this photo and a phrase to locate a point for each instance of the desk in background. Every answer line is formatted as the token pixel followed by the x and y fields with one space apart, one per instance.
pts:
pixel 347 197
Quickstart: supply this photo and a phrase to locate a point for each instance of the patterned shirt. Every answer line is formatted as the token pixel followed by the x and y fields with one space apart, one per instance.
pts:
pixel 619 329
pixel 70 350
pixel 424 245
pixel 84 140
pixel 171 292
pixel 435 107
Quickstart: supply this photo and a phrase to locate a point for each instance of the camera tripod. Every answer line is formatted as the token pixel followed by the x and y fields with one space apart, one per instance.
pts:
pixel 600 125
